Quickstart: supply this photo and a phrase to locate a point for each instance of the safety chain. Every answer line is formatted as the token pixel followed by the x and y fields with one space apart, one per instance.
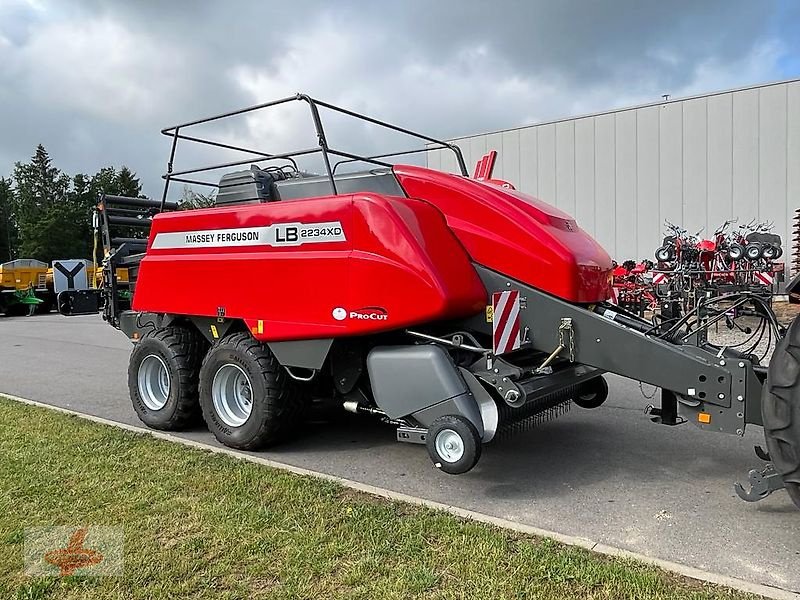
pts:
pixel 644 394
pixel 566 326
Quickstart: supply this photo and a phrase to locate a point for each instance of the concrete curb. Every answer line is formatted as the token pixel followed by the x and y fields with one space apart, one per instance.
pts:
pixel 684 570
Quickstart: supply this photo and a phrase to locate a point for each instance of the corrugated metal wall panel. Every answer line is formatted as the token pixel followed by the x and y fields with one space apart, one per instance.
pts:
pixel 605 191
pixel 695 166
pixel 448 161
pixel 670 164
pixel 584 174
pixel 720 160
pixel 565 166
pixel 434 160
pixel 528 161
pixel 648 216
pixel 745 154
pixel 546 161
pixel 772 158
pixel 695 162
pixel 511 156
pixel 625 157
pixel 793 162
pixel 494 141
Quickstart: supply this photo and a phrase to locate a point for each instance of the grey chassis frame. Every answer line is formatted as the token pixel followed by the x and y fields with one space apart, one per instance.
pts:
pixel 724 387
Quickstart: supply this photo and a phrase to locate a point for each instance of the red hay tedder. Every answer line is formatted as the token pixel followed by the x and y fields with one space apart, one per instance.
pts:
pixel 451 307
pixel 690 267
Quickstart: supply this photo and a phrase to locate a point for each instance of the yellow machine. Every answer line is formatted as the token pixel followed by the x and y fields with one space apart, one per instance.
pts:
pixel 24 287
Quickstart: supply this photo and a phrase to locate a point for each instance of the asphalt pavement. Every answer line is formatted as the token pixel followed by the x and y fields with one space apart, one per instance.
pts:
pixel 607 474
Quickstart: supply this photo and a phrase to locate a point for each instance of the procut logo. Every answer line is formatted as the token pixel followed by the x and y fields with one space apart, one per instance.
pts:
pixel 368 313
pixel 371 313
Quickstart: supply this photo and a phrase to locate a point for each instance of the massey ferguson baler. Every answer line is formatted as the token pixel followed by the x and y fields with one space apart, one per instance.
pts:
pixel 451 307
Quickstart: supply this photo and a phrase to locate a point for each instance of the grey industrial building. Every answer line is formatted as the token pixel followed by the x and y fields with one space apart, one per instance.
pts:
pixel 695 161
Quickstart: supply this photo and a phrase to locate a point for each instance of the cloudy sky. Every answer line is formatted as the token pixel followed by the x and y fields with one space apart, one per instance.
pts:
pixel 95 81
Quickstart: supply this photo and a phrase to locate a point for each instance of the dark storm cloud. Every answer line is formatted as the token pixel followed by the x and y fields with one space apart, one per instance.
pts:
pixel 95 81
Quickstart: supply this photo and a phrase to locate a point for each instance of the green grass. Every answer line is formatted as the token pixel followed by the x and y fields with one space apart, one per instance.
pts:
pixel 204 525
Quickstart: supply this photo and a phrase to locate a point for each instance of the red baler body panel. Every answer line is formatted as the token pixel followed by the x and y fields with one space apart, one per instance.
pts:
pixel 397 265
pixel 515 234
pixel 389 262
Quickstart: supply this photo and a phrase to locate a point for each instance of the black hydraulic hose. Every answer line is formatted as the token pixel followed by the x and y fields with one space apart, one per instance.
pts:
pixel 769 344
pixel 753 345
pixel 770 314
pixel 740 299
pixel 758 330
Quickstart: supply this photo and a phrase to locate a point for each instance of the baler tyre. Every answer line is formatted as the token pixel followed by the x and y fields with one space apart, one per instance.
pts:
pixel 247 398
pixel 780 410
pixel 454 444
pixel 162 377
pixel 592 394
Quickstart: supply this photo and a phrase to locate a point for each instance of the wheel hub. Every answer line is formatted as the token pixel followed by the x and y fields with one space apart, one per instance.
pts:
pixel 449 445
pixel 232 395
pixel 153 381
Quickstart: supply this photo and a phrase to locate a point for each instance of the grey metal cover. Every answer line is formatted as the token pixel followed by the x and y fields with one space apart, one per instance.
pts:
pixel 408 379
pixel 380 181
pixel 21 263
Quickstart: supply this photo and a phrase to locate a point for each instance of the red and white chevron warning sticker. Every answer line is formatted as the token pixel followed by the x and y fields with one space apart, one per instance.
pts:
pixel 659 278
pixel 505 322
pixel 764 278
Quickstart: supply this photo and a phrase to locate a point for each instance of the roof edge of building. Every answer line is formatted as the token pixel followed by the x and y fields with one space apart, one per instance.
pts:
pixel 628 108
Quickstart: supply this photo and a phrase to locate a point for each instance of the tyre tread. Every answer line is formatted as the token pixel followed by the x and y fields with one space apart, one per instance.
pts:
pixel 187 347
pixel 780 410
pixel 285 399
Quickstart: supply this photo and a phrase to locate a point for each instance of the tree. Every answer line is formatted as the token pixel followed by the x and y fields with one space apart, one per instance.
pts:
pixel 191 199
pixel 53 212
pixel 8 228
pixel 127 184
pixel 45 224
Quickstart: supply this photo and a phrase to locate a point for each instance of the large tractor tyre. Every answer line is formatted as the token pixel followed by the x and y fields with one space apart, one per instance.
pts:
pixel 454 444
pixel 162 377
pixel 592 394
pixel 780 410
pixel 248 399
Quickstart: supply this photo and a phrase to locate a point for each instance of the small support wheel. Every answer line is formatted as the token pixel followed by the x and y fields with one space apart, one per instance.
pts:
pixel 592 394
pixel 453 444
pixel 665 254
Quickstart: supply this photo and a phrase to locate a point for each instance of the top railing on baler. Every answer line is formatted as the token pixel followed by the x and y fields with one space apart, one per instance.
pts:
pixel 177 132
